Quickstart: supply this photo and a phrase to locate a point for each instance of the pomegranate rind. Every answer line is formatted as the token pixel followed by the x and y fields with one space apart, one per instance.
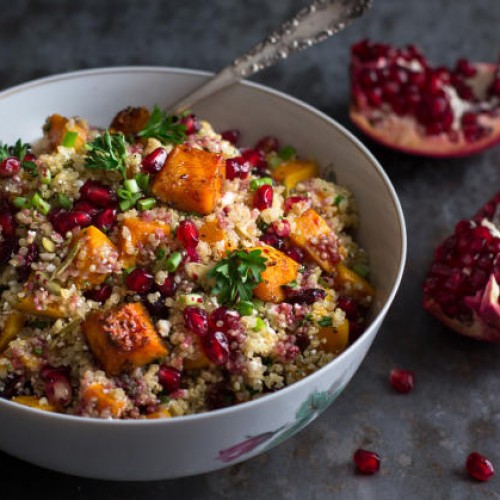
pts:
pixel 402 133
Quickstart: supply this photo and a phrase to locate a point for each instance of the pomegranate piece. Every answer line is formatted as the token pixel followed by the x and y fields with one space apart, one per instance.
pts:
pixel 31 256
pixel 139 281
pixel 292 200
pixel 224 319
pixel 216 347
pixel 100 294
pixel 237 168
pixel 255 157
pixel 461 288
pixel 153 162
pixel 479 467
pixel 106 219
pixel 196 320
pixel 401 101
pixel 295 253
pixel 187 234
pixel 367 462
pixel 403 381
pixel 57 386
pixel 168 287
pixel 273 241
pixel 303 295
pixel 169 378
pixel 98 194
pixel 268 144
pixel 232 136
pixel 9 167
pixel 191 123
pixel 64 220
pixel 263 197
pixel 87 207
pixel 280 228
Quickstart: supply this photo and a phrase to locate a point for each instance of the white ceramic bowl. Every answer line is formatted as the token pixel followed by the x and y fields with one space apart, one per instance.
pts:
pixel 161 449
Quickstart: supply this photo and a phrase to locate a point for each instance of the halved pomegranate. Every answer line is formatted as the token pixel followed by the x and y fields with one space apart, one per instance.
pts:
pixel 462 286
pixel 401 101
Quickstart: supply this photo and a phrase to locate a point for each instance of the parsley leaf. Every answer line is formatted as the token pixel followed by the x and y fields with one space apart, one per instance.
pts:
pixel 325 321
pixel 237 275
pixel 164 127
pixel 107 152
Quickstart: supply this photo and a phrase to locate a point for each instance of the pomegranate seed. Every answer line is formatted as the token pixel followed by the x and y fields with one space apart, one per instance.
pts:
pixel 216 347
pixel 29 157
pixel 402 380
pixel 263 197
pixel 303 295
pixel 10 167
pixel 191 123
pixel 106 219
pixel 367 462
pixel 153 162
pixel 169 378
pixel 168 287
pixel 187 234
pixel 30 257
pixel 192 255
pixel 57 386
pixel 273 241
pixel 292 200
pixel 237 168
pixel 139 281
pixel 157 308
pixel 479 467
pixel 465 68
pixel 232 136
pixel 296 254
pixel 349 306
pixel 87 207
pixel 280 228
pixel 224 319
pixel 100 294
pixel 7 248
pixel 268 144
pixel 64 221
pixel 255 158
pixel 302 341
pixel 98 194
pixel 196 320
pixel 7 224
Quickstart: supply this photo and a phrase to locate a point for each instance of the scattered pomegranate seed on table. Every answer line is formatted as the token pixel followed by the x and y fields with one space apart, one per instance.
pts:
pixel 402 381
pixel 479 467
pixel 367 462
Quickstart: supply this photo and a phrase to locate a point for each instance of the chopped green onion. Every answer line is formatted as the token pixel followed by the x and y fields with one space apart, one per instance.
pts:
pixel 259 325
pixel 40 204
pixel 30 167
pixel 173 261
pixel 20 202
pixel 142 181
pixel 160 254
pixel 274 162
pixel 63 201
pixel 338 200
pixel 191 299
pixel 69 139
pixel 146 203
pixel 292 284
pixel 37 351
pixel 45 176
pixel 287 153
pixel 131 186
pixel 245 307
pixel 361 270
pixel 325 321
pixel 257 183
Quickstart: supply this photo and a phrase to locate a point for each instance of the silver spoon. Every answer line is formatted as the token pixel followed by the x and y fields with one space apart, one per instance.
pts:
pixel 314 23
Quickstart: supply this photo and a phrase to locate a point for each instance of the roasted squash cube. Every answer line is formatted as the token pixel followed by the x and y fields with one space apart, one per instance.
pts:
pixel 199 359
pixel 334 339
pixel 34 402
pixel 96 257
pixel 123 338
pixel 105 400
pixel 191 180
pixel 12 326
pixel 352 283
pixel 290 173
pixel 315 237
pixel 135 234
pixel 130 120
pixel 211 232
pixel 53 309
pixel 57 126
pixel 280 270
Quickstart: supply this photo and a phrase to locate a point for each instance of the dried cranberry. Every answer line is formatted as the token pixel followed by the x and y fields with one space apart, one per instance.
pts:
pixel 216 348
pixel 99 294
pixel 224 319
pixel 479 467
pixel 367 462
pixel 98 194
pixel 139 281
pixel 169 378
pixel 263 197
pixel 303 295
pixel 196 320
pixel 187 234
pixel 231 136
pixel 154 161
pixel 9 167
pixel 302 341
pixel 403 381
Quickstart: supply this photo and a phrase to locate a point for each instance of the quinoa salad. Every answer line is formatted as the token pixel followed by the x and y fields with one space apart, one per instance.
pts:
pixel 156 268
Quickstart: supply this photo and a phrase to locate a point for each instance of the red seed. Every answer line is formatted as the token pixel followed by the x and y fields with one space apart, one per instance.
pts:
pixel 292 200
pixel 57 386
pixel 263 197
pixel 106 219
pixel 98 194
pixel 139 281
pixel 191 123
pixel 87 207
pixel 465 68
pixel 349 306
pixel 268 144
pixel 7 224
pixel 303 295
pixel 30 257
pixel 402 380
pixel 296 254
pixel 196 320
pixel 100 294
pixel 255 158
pixel 237 168
pixel 168 287
pixel 367 462
pixel 9 167
pixel 280 228
pixel 153 162
pixel 273 241
pixel 479 467
pixel 224 319
pixel 64 221
pixel 216 347
pixel 169 378
pixel 187 234
pixel 232 136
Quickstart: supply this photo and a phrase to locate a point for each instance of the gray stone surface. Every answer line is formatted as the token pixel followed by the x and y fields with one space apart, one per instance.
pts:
pixel 423 437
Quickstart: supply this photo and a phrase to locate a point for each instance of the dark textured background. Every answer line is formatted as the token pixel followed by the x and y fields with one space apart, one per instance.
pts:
pixel 424 437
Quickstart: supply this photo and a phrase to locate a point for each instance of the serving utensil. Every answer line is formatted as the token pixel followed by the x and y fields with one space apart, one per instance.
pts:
pixel 313 24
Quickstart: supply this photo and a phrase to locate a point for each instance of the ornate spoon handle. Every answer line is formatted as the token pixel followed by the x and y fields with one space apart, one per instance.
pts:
pixel 313 24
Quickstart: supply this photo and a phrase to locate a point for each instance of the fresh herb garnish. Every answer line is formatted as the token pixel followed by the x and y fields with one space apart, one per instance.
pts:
pixel 19 150
pixel 164 127
pixel 325 321
pixel 107 152
pixel 338 200
pixel 237 275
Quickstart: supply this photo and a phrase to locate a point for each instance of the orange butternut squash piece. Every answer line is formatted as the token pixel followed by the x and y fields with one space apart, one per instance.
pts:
pixel 135 233
pixel 210 232
pixel 191 180
pixel 290 173
pixel 123 338
pixel 57 126
pixel 54 309
pixel 34 402
pixel 95 257
pixel 333 339
pixel 104 399
pixel 13 325
pixel 199 360
pixel 315 237
pixel 280 270
pixel 130 120
pixel 352 283
pixel 160 413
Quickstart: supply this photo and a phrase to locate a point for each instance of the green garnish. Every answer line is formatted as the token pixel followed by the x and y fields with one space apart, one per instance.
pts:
pixel 325 321
pixel 146 204
pixel 287 153
pixel 245 307
pixel 160 254
pixel 257 183
pixel 63 201
pixel 40 204
pixel 69 139
pixel 20 202
pixel 127 198
pixel 338 200
pixel 237 275
pixel 164 127
pixel 142 181
pixel 107 152
pixel 361 270
pixel 19 150
pixel 259 325
pixel 173 261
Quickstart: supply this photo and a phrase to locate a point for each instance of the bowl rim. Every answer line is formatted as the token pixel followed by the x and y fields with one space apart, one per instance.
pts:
pixel 185 419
